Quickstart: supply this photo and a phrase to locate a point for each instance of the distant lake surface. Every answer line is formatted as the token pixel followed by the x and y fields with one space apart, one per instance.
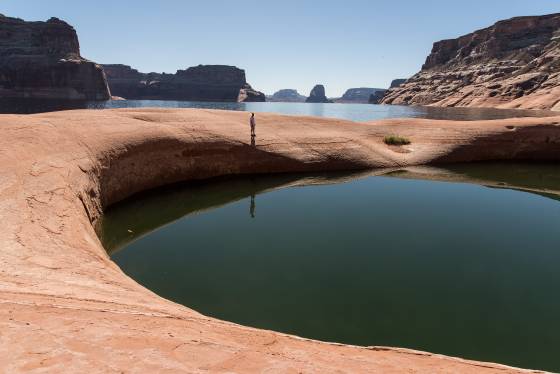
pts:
pixel 468 268
pixel 353 112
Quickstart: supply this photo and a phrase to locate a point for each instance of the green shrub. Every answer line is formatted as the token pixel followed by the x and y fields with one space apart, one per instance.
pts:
pixel 396 140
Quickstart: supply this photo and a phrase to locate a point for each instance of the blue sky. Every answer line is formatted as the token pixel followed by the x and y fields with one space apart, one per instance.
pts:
pixel 280 44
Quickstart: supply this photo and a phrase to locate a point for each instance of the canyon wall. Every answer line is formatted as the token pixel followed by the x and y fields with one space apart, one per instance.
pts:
pixel 42 60
pixel 513 64
pixel 197 83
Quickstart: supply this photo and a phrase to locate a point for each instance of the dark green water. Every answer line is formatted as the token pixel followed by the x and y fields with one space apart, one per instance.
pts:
pixel 453 268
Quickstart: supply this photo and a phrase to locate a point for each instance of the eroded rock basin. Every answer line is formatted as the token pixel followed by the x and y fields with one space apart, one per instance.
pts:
pixel 460 261
pixel 66 306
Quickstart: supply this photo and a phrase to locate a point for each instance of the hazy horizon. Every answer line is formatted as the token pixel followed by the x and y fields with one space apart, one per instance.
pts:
pixel 293 44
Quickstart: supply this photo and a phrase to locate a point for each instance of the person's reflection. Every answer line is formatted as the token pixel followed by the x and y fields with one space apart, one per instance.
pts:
pixel 252 206
pixel 252 140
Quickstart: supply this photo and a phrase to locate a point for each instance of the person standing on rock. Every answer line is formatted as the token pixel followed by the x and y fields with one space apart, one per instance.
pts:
pixel 253 124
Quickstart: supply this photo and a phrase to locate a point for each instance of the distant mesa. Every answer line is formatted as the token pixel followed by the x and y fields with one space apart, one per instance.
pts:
pixel 317 95
pixel 359 95
pixel 287 95
pixel 197 83
pixel 41 60
pixel 513 64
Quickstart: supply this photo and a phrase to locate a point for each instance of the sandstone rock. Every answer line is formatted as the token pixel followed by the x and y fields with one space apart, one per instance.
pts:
pixel 317 95
pixel 42 60
pixel 66 307
pixel 198 83
pixel 513 64
pixel 360 95
pixel 287 95
pixel 397 82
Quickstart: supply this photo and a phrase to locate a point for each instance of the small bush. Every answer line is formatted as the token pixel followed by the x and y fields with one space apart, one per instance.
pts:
pixel 396 140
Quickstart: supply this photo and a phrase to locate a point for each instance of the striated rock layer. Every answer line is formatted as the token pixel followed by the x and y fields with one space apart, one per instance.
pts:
pixel 512 64
pixel 42 60
pixel 197 83
pixel 66 307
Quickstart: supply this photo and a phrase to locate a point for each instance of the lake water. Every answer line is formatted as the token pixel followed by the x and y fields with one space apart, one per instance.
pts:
pixel 354 112
pixel 466 268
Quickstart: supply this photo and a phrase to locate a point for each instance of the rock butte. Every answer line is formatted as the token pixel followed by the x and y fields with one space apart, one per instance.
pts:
pixel 317 95
pixel 65 306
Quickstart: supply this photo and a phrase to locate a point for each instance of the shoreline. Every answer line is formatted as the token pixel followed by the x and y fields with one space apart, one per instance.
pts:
pixel 65 304
pixel 467 113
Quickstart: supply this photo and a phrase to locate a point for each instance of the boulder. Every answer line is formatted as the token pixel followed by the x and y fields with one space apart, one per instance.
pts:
pixel 41 60
pixel 513 64
pixel 317 95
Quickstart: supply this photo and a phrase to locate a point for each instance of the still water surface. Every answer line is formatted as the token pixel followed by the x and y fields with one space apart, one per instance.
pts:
pixel 454 268
pixel 354 112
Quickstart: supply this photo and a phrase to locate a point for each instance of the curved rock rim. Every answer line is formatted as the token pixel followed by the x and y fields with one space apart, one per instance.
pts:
pixel 65 304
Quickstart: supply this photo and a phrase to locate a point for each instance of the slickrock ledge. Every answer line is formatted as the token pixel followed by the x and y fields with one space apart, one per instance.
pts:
pixel 66 307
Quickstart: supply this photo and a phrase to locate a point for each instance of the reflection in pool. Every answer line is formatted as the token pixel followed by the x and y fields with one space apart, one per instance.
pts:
pixel 454 268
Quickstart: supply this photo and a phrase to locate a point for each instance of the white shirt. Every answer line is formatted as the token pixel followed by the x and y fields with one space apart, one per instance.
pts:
pixel 252 121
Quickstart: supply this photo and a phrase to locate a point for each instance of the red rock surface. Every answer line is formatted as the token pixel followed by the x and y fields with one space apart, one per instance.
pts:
pixel 66 307
pixel 512 64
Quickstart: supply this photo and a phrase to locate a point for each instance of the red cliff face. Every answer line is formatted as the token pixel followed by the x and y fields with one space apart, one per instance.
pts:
pixel 513 64
pixel 42 60
pixel 197 83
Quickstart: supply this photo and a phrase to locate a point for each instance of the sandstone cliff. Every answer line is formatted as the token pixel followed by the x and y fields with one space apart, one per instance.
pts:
pixel 42 60
pixel 513 64
pixel 317 95
pixel 198 83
